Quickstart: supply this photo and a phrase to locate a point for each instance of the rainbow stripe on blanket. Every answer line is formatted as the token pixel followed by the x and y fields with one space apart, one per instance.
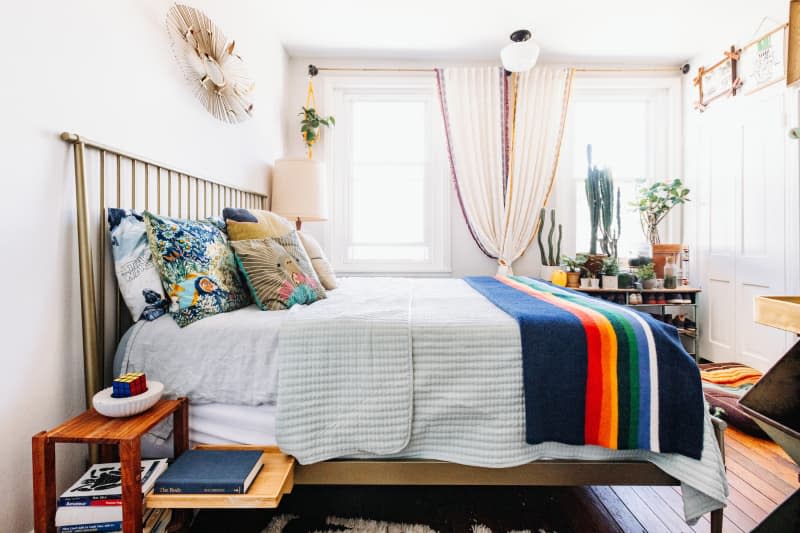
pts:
pixel 600 373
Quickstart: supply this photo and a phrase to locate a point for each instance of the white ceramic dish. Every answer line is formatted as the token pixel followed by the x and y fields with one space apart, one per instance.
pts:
pixel 120 407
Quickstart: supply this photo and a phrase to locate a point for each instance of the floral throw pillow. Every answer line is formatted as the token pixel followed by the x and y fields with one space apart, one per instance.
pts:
pixel 278 272
pixel 137 276
pixel 197 267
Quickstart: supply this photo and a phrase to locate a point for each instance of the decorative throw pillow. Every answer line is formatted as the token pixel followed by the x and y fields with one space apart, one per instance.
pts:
pixel 278 272
pixel 137 275
pixel 322 267
pixel 197 267
pixel 247 224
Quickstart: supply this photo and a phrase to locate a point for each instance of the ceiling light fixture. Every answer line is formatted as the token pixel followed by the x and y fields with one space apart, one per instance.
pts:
pixel 521 53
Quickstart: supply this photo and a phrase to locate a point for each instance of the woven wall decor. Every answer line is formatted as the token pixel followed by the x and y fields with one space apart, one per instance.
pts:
pixel 217 75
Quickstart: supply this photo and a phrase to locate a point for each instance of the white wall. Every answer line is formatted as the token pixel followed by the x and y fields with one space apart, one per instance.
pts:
pixel 743 172
pixel 104 70
pixel 466 259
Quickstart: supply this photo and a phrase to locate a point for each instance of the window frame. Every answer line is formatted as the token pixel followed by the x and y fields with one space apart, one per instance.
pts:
pixel 340 92
pixel 664 95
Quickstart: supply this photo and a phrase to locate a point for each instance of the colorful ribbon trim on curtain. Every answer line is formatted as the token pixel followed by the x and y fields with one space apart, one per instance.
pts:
pixel 598 373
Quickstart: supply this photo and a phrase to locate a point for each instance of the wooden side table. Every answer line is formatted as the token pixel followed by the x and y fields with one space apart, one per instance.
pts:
pixel 94 428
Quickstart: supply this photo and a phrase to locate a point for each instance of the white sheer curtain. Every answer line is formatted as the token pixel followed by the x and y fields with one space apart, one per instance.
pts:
pixel 502 185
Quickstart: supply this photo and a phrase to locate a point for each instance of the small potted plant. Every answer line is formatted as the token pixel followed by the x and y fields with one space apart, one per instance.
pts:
pixel 647 274
pixel 610 271
pixel 573 267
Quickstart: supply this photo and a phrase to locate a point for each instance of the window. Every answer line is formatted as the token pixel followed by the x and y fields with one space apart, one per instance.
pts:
pixel 631 126
pixel 390 195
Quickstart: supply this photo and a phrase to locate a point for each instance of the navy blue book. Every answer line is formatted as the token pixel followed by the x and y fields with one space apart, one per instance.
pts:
pixel 210 472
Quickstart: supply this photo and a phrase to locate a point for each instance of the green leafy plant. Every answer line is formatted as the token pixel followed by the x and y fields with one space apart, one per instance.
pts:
pixel 655 202
pixel 310 124
pixel 647 271
pixel 610 266
pixel 550 259
pixel 574 264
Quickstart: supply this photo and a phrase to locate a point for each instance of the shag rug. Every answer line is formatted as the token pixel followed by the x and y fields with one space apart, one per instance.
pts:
pixel 335 524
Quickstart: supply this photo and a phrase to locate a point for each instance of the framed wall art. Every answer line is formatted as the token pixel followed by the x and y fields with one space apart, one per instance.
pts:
pixel 762 62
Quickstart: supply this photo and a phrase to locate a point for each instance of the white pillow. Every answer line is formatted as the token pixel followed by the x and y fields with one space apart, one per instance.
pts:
pixel 137 276
pixel 320 263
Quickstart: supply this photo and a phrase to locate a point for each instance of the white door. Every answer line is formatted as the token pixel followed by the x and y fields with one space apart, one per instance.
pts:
pixel 741 217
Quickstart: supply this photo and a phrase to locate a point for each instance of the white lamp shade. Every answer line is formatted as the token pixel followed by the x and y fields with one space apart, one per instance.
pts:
pixel 519 57
pixel 298 189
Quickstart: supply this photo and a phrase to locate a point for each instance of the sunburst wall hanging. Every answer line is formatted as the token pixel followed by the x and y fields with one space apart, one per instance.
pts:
pixel 216 73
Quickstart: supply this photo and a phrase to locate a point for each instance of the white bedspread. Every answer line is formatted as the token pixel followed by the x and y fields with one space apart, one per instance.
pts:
pixel 345 385
pixel 229 358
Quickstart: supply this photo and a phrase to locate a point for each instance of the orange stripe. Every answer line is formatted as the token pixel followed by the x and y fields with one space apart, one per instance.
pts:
pixel 607 426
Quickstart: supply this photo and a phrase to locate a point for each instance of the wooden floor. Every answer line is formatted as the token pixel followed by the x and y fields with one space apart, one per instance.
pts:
pixel 760 476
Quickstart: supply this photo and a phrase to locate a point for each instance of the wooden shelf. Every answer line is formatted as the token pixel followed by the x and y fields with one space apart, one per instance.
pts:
pixel 275 479
pixel 687 290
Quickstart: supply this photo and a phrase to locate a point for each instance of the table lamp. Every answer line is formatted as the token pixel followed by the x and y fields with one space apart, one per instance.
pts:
pixel 298 190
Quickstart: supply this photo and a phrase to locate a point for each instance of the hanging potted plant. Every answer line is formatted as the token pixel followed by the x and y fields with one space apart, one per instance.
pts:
pixel 610 271
pixel 310 124
pixel 654 203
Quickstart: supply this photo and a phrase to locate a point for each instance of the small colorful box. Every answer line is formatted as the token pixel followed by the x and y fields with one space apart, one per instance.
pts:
pixel 129 384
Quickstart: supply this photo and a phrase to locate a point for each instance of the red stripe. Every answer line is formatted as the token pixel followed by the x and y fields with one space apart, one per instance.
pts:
pixel 594 368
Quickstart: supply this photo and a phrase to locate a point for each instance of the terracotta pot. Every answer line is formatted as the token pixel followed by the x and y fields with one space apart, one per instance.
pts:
pixel 573 280
pixel 660 254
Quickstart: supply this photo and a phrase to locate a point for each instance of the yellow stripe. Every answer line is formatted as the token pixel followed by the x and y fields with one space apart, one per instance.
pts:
pixel 609 412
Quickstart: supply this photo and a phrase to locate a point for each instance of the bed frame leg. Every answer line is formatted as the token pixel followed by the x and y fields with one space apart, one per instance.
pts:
pixel 716 521
pixel 719 426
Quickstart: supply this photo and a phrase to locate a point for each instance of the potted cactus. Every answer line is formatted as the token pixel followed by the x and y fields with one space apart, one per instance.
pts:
pixel 604 212
pixel 610 271
pixel 551 261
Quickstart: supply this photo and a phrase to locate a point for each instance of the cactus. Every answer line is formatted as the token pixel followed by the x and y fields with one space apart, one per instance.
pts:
pixel 558 247
pixel 550 255
pixel 539 237
pixel 549 259
pixel 593 199
pixel 600 197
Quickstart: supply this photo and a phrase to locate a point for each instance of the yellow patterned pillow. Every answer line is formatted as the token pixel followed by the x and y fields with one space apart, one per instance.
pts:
pixel 248 224
pixel 278 272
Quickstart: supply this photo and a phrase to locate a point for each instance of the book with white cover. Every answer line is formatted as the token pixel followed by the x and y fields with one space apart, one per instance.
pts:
pixel 101 485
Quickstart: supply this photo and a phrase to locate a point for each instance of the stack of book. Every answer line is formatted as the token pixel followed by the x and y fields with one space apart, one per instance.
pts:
pixel 93 504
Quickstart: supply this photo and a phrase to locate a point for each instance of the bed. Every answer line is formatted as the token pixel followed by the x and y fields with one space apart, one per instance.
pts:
pixel 434 419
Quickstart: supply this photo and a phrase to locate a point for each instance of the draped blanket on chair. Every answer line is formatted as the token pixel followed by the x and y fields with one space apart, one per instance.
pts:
pixel 599 373
pixel 504 138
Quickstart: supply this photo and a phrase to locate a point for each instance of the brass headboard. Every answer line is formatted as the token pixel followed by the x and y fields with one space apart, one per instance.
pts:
pixel 116 178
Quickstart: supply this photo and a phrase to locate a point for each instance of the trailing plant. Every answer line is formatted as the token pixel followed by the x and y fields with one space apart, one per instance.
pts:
pixel 610 266
pixel 655 202
pixel 549 259
pixel 602 203
pixel 647 271
pixel 310 124
pixel 574 264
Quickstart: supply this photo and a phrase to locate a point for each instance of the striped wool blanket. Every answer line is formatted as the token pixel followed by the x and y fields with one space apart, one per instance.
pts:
pixel 600 373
